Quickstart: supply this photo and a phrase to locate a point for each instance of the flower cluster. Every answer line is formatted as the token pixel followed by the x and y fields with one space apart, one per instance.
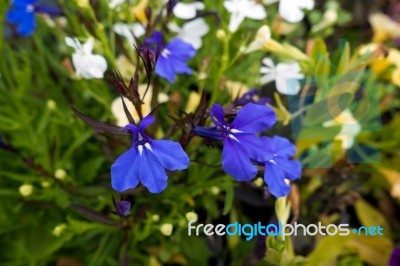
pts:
pixel 243 150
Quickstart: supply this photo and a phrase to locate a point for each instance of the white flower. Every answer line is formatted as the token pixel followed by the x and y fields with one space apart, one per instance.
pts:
pixel 350 128
pixel 117 107
pixel 129 31
pixel 286 76
pixel 191 32
pixel 263 36
pixel 187 10
pixel 114 3
pixel 86 64
pixel 240 9
pixel 293 10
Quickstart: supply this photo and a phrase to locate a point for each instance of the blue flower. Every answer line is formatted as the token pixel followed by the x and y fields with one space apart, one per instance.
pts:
pixel 173 57
pixel 146 161
pixel 280 167
pixel 22 13
pixel 241 146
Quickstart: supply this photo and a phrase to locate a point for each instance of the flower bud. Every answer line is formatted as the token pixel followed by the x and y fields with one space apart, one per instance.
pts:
pixel 51 105
pixel 155 217
pixel 166 229
pixel 259 182
pixel 215 190
pixel 192 216
pixel 60 174
pixel 26 190
pixel 221 34
pixel 59 229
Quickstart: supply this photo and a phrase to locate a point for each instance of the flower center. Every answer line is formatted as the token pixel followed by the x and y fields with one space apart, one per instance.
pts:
pixel 142 142
pixel 165 52
pixel 229 132
pixel 30 8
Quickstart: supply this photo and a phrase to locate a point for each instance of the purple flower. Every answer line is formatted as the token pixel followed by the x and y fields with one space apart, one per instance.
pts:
pixel 252 97
pixel 123 207
pixel 280 167
pixel 146 161
pixel 241 145
pixel 173 56
pixel 395 258
pixel 22 13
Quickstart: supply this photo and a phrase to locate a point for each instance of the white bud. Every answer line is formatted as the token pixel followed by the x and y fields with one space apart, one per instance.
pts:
pixel 192 216
pixel 60 174
pixel 26 190
pixel 166 229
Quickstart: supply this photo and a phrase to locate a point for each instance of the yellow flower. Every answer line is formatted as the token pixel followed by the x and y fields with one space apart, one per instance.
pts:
pixel 117 107
pixel 193 102
pixel 140 11
pixel 384 27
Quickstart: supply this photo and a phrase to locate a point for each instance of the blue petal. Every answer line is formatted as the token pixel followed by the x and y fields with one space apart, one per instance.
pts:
pixel 156 38
pixel 260 149
pixel 283 147
pixel 27 25
pixel 24 2
pixel 254 118
pixel 170 154
pixel 291 168
pixel 124 171
pixel 180 49
pixel 236 162
pixel 147 121
pixel 217 115
pixel 180 66
pixel 152 174
pixel 274 177
pixel 15 16
pixel 165 69
pixel 209 133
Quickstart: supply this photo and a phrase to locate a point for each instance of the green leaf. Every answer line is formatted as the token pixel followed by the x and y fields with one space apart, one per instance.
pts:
pixel 370 216
pixel 228 199
pixel 327 249
pixel 344 61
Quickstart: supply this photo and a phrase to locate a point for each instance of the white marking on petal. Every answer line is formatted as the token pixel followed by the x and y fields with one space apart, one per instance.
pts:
pixel 165 53
pixel 236 131
pixel 233 137
pixel 273 162
pixel 30 8
pixel 140 148
pixel 147 145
